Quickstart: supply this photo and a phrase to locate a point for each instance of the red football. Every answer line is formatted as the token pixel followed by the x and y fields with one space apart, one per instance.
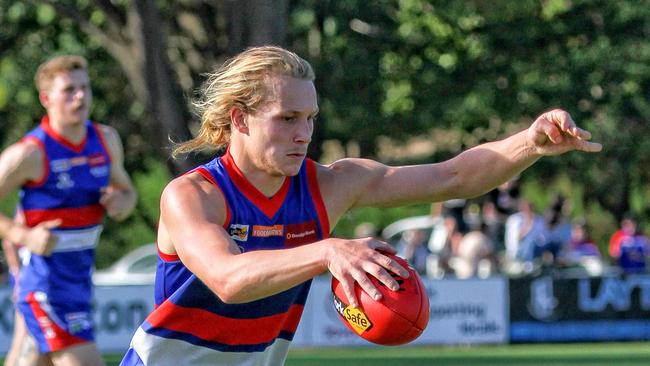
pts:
pixel 398 318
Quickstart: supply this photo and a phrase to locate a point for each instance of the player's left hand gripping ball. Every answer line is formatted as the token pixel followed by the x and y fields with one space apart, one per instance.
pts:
pixel 398 318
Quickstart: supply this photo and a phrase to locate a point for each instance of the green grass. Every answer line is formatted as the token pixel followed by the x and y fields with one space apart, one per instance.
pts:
pixel 574 354
pixel 619 354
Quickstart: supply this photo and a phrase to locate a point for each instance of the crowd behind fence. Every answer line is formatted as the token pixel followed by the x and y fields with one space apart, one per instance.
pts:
pixel 503 233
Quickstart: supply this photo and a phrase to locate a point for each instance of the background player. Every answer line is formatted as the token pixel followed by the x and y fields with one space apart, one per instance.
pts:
pixel 70 173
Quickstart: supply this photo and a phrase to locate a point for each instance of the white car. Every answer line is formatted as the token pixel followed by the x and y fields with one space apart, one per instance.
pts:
pixel 138 267
pixel 393 232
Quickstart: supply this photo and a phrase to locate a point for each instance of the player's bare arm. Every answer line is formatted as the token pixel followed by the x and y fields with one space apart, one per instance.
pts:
pixel 351 183
pixel 120 197
pixel 193 213
pixel 369 183
pixel 20 163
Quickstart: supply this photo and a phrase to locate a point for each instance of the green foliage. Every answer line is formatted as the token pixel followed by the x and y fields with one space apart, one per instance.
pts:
pixel 488 68
pixel 379 217
pixel 391 68
pixel 119 238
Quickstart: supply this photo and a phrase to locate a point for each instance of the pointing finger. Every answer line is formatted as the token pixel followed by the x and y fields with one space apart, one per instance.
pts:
pixel 588 146
pixel 582 134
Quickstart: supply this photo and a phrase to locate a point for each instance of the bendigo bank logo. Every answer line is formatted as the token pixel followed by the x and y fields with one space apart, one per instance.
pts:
pixel 238 232
pixel 299 234
pixel 354 316
pixel 97 159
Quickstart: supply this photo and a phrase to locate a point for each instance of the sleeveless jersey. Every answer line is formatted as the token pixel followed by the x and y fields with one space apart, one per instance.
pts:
pixel 69 189
pixel 192 325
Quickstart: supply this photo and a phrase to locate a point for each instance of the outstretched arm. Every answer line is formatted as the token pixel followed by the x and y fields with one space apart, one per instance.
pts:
pixel 360 183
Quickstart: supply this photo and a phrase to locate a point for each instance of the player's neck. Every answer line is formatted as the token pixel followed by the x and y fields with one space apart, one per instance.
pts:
pixel 266 183
pixel 74 132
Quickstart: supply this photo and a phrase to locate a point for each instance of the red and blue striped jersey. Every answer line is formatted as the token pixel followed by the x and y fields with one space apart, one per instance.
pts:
pixel 192 325
pixel 68 189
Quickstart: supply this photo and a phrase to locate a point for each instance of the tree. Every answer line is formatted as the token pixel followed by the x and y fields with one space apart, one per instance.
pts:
pixel 452 74
pixel 135 35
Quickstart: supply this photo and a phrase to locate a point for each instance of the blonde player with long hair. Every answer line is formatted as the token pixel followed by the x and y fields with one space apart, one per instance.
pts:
pixel 248 231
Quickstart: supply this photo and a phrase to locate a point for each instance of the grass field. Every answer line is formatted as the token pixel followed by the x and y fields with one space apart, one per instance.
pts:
pixel 575 354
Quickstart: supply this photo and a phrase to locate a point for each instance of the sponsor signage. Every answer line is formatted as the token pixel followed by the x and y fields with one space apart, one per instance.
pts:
pixel 466 311
pixel 461 312
pixel 580 309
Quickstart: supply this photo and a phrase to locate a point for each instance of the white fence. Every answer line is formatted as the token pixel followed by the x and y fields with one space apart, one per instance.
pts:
pixel 462 312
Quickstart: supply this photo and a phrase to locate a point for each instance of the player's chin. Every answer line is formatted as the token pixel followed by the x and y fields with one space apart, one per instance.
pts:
pixel 77 118
pixel 292 167
pixel 290 171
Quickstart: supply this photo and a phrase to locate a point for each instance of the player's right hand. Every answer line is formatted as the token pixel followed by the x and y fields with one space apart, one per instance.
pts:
pixel 352 260
pixel 40 239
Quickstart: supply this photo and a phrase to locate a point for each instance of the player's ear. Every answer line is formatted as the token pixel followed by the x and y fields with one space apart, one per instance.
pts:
pixel 44 98
pixel 238 120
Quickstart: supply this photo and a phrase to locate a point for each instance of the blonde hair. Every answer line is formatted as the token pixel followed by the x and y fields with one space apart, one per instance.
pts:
pixel 47 71
pixel 241 82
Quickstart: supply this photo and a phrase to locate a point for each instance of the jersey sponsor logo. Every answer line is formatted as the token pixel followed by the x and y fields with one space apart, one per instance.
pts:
pixel 60 165
pixel 99 171
pixel 63 165
pixel 64 181
pixel 78 161
pixel 97 159
pixel 354 316
pixel 238 232
pixel 262 231
pixel 302 233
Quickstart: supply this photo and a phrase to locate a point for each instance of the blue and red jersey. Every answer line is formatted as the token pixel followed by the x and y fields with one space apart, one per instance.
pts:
pixel 59 286
pixel 192 325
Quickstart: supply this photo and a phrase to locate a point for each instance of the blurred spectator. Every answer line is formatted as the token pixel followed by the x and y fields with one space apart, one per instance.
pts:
pixel 581 244
pixel 475 255
pixel 456 208
pixel 443 243
pixel 629 247
pixel 506 197
pixel 558 229
pixel 525 230
pixel 494 225
pixel 412 247
pixel 501 202
pixel 628 228
pixel 582 251
pixel 634 251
